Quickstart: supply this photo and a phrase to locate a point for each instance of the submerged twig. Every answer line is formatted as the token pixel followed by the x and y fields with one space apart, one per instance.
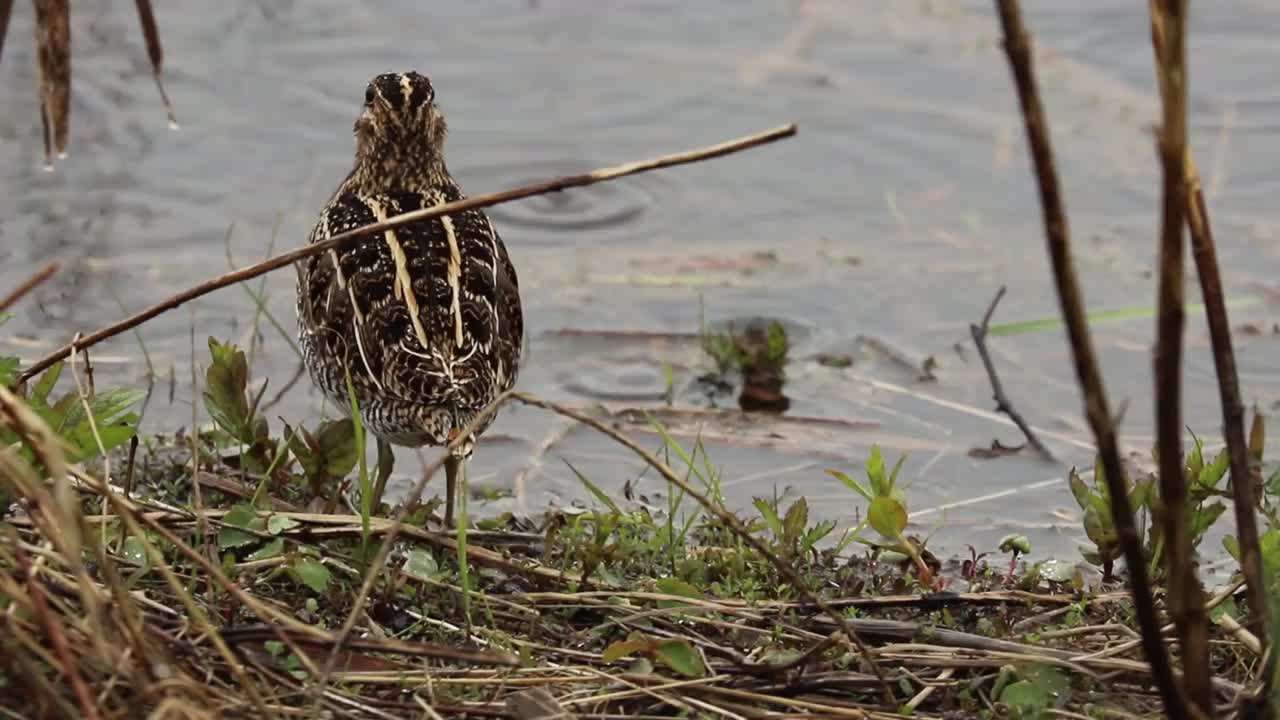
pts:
pixel 478 201
pixel 979 333
pixel 1017 46
pixel 31 283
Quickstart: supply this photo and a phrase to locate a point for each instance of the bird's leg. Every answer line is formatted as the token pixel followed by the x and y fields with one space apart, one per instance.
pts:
pixel 386 459
pixel 452 466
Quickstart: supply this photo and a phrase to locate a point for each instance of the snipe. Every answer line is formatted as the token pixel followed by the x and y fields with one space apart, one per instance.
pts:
pixel 425 317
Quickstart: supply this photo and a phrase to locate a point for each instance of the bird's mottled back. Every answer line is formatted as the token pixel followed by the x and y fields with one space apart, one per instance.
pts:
pixel 426 317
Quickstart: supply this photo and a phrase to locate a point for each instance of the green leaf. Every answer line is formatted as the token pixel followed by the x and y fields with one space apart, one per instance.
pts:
pixel 1025 697
pixel 422 565
pixel 1232 546
pixel 45 384
pixel 1079 489
pixel 875 472
pixel 134 551
pixel 680 656
pixel 850 483
pixel 312 574
pixel 887 517
pixel 277 524
pixel 9 366
pixel 270 550
pixel 1225 608
pixel 595 490
pixel 796 520
pixel 1212 473
pixel 225 394
pixel 622 648
pixel 1015 543
pixel 108 406
pixel 240 516
pixel 676 586
pixel 229 537
pixel 770 515
pixel 337 441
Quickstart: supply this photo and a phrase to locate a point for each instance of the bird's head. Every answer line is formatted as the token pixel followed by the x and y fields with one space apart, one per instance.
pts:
pixel 400 132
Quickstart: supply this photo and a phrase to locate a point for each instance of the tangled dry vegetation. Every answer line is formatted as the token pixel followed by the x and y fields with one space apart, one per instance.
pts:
pixel 222 572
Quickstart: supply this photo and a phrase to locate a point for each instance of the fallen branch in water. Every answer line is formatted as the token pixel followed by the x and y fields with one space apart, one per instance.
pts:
pixel 479 201
pixel 1017 45
pixel 979 333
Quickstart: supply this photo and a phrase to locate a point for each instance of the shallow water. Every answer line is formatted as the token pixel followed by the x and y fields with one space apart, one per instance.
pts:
pixel 903 204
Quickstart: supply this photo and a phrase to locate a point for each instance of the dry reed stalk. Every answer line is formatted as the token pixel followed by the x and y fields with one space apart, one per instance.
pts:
pixel 1185 596
pixel 1017 46
pixel 1243 486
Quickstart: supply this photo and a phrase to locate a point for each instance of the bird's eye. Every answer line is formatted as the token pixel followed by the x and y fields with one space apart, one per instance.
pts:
pixel 368 95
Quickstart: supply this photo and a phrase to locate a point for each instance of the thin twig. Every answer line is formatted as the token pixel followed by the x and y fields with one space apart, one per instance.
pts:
pixel 1017 45
pixel 479 201
pixel 1185 596
pixel 28 285
pixel 979 333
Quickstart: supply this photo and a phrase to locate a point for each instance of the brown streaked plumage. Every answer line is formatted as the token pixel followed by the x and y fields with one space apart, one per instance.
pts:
pixel 425 317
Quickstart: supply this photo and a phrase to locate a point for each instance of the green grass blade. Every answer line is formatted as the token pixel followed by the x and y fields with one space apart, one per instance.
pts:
pixel 594 489
pixel 1101 316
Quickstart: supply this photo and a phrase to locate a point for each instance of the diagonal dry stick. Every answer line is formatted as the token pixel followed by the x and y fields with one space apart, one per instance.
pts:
pixel 28 285
pixel 479 201
pixel 1017 45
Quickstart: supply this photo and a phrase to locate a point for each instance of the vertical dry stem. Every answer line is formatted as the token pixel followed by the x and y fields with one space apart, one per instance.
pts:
pixel 1017 46
pixel 1204 251
pixel 1186 597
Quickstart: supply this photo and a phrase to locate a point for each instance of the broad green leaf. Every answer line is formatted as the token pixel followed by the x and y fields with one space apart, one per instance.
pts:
pixel 796 520
pixel 1225 608
pixel 277 524
pixel 1079 489
pixel 337 442
pixel 680 656
pixel 622 648
pixel 421 565
pixel 240 516
pixel 134 551
pixel 1232 546
pixel 226 382
pixel 887 517
pixel 9 367
pixel 312 574
pixel 270 550
pixel 676 586
pixel 230 537
pixel 1019 543
pixel 109 405
pixel 770 515
pixel 1213 472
